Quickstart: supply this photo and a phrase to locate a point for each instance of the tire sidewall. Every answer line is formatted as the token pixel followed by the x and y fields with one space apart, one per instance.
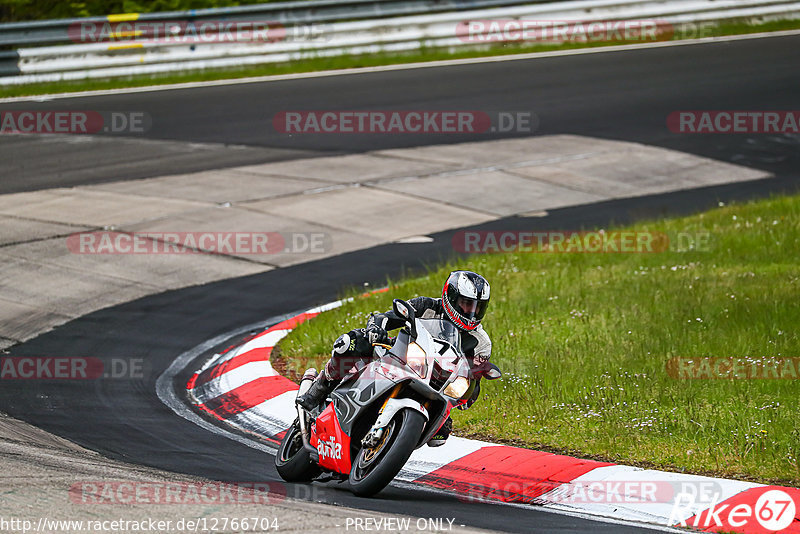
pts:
pixel 299 467
pixel 411 424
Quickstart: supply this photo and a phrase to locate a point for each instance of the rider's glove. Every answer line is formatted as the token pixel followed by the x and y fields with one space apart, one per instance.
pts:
pixel 480 361
pixel 376 334
pixel 358 343
pixel 472 397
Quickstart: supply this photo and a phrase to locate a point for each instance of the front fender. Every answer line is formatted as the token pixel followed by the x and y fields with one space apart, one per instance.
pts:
pixel 395 405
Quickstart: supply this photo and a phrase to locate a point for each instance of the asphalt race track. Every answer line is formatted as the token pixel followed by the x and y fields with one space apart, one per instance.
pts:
pixel 124 419
pixel 623 95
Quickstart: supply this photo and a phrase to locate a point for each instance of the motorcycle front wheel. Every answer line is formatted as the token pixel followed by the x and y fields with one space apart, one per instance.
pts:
pixel 292 460
pixel 374 468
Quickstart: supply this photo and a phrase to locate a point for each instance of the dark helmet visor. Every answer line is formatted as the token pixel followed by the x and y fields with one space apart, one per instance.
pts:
pixel 471 308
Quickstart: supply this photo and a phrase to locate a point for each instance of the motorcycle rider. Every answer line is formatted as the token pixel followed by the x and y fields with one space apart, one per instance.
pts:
pixel 465 297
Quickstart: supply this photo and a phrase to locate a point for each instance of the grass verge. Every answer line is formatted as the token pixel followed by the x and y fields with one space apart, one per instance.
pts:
pixel 584 341
pixel 356 61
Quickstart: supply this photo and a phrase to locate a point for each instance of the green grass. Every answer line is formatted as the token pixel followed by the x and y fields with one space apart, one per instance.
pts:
pixel 356 61
pixel 583 340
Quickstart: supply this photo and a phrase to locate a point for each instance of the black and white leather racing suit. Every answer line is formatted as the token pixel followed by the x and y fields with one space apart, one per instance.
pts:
pixel 356 345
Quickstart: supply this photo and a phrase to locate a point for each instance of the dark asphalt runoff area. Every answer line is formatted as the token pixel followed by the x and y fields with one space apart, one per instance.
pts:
pixel 625 95
pixel 622 95
pixel 124 418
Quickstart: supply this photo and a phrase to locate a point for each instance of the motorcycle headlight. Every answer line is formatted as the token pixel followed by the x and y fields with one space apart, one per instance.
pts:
pixel 417 360
pixel 457 388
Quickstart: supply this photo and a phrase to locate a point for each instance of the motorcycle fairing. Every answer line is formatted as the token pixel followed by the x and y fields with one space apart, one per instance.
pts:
pixel 375 379
pixel 331 442
pixel 351 397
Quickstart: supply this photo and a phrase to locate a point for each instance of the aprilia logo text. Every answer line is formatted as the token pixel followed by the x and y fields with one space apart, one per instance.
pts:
pixel 329 449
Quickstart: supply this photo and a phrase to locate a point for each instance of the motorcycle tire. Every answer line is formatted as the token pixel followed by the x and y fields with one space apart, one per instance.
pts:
pixel 292 460
pixel 373 469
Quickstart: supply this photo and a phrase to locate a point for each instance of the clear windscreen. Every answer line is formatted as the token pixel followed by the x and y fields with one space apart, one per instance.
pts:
pixel 443 330
pixel 449 333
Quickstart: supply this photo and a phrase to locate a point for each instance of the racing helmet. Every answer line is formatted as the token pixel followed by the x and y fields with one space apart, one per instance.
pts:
pixel 465 297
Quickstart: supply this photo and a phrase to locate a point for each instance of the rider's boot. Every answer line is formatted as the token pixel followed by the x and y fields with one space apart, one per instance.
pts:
pixel 317 393
pixel 441 436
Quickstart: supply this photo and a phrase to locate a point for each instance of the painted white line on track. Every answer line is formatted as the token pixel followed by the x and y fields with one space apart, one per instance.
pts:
pixel 165 384
pixel 402 66
pixel 569 513
pixel 165 387
pixel 166 392
pixel 270 339
pixel 235 378
pixel 624 474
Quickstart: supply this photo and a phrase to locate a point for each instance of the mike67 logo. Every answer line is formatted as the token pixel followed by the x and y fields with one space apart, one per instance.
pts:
pixel 774 511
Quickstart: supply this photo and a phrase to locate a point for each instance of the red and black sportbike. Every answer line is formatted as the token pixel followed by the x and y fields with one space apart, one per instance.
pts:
pixel 382 411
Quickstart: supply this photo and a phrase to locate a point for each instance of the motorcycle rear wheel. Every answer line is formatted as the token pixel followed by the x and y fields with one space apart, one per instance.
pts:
pixel 374 468
pixel 292 460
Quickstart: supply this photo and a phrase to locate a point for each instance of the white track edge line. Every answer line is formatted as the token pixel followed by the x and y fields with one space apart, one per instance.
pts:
pixel 167 395
pixel 579 515
pixel 166 391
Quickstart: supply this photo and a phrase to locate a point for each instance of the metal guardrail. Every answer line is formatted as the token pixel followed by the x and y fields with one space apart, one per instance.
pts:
pixel 433 24
pixel 43 32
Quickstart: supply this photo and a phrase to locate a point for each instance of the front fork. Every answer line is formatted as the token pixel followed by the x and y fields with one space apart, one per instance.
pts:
pixel 390 407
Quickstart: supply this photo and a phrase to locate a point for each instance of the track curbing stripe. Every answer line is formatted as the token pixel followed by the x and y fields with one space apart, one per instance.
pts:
pixel 472 469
